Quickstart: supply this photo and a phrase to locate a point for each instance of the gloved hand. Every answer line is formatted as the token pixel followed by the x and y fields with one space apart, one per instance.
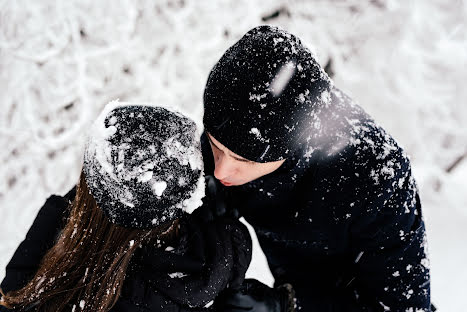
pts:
pixel 210 256
pixel 214 209
pixel 254 296
pixel 214 203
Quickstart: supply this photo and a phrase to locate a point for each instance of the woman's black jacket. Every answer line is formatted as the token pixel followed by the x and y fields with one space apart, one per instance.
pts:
pixel 143 289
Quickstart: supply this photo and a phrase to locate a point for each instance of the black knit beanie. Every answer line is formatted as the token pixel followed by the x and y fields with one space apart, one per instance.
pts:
pixel 262 97
pixel 143 164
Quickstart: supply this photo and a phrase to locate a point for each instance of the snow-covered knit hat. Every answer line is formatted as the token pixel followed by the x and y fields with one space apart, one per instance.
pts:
pixel 143 164
pixel 262 97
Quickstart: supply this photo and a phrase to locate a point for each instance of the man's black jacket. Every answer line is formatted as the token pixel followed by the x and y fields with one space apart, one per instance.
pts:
pixel 341 220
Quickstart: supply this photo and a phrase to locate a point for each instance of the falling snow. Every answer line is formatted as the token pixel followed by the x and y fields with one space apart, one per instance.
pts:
pixel 422 111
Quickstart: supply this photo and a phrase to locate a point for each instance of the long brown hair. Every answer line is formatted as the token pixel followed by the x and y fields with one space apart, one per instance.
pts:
pixel 87 265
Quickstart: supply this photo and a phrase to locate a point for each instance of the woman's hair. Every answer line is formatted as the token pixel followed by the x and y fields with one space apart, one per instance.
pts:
pixel 87 265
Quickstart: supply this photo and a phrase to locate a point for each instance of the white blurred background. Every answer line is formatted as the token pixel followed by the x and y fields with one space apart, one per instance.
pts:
pixel 405 62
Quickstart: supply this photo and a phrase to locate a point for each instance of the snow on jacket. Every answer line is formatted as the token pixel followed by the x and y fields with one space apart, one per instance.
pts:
pixel 341 220
pixel 144 289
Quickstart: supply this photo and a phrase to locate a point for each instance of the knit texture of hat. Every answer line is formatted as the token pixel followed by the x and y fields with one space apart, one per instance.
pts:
pixel 263 96
pixel 143 164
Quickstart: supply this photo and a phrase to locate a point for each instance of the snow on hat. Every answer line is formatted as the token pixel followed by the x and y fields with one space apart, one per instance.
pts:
pixel 143 164
pixel 263 96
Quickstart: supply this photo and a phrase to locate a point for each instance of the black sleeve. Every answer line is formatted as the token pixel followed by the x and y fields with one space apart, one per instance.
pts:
pixel 40 238
pixel 388 269
pixel 389 240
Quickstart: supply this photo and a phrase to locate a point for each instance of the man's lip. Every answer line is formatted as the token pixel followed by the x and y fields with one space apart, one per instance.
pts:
pixel 225 183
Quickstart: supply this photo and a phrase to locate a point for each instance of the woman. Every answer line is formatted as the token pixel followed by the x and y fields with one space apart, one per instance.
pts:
pixel 127 242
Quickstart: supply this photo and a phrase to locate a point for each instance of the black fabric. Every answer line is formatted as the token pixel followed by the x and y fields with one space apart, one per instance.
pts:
pixel 203 263
pixel 207 258
pixel 214 206
pixel 253 296
pixel 40 238
pixel 341 219
pixel 262 96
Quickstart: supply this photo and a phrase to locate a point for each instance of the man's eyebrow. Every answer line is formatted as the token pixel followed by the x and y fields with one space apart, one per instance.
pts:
pixel 241 159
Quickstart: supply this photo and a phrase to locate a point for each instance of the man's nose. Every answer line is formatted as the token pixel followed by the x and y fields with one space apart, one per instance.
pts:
pixel 224 167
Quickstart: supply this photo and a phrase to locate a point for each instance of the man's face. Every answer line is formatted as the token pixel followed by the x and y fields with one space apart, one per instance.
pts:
pixel 232 169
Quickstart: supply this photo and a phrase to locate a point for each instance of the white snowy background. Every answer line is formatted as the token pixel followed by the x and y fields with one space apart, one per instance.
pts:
pixel 405 62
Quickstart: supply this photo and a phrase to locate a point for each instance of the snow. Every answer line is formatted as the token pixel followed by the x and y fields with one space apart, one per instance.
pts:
pixel 277 40
pixel 325 96
pixel 404 62
pixel 360 254
pixel 185 155
pixel 257 134
pixel 193 202
pixel 159 187
pixel 257 97
pixel 177 275
pixel 282 78
pixel 145 177
pixel 85 274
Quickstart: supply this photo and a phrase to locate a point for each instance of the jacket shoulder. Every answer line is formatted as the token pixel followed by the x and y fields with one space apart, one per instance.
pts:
pixel 360 166
pixel 54 207
pixel 40 237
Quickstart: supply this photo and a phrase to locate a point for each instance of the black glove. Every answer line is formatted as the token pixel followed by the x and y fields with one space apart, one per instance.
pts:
pixel 214 209
pixel 214 203
pixel 254 296
pixel 209 256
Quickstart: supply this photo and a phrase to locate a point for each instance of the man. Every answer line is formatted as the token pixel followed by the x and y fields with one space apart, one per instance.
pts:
pixel 330 193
